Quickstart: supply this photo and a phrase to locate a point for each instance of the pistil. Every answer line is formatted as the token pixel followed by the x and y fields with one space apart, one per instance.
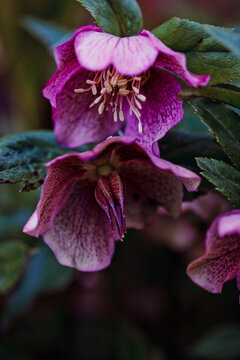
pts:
pixel 112 88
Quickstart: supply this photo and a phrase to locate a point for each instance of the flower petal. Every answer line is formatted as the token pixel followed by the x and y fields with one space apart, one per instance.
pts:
pixel 161 110
pixel 221 261
pixel 130 55
pixel 138 207
pixel 75 122
pixel 81 236
pixel 62 173
pixel 175 62
pixel 67 65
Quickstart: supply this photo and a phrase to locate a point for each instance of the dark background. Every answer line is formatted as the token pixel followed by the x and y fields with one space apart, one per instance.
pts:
pixel 143 307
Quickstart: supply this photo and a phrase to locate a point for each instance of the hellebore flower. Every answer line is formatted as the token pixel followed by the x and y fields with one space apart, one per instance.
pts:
pixel 188 231
pixel 89 198
pixel 103 81
pixel 221 261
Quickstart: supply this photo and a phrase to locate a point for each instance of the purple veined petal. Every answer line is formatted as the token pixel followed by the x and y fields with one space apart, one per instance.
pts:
pixel 75 123
pixel 65 52
pixel 130 55
pixel 80 235
pixel 62 173
pixel 139 209
pixel 160 112
pixel 188 178
pixel 67 65
pixel 175 62
pixel 221 261
pixel 161 186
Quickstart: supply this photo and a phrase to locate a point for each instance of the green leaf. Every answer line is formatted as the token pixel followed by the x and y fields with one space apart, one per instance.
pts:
pixel 23 157
pixel 223 176
pixel 222 66
pixel 50 34
pixel 224 123
pixel 184 35
pixel 227 93
pixel 117 17
pixel 230 40
pixel 181 148
pixel 206 55
pixel 12 262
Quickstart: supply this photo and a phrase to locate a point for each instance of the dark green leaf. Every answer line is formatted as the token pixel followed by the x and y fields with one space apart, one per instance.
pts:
pixel 230 40
pixel 117 17
pixel 23 157
pixel 12 262
pixel 224 123
pixel 184 35
pixel 223 176
pixel 226 93
pixel 181 148
pixel 206 55
pixel 48 33
pixel 222 66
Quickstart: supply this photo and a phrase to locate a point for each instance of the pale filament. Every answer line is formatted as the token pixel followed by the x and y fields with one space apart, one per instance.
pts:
pixel 112 88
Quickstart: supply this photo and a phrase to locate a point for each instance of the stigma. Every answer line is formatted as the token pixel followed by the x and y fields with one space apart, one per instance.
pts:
pixel 110 89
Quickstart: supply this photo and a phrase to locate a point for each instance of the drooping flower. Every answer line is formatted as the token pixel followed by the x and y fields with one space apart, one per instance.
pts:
pixel 103 81
pixel 88 199
pixel 221 261
pixel 187 232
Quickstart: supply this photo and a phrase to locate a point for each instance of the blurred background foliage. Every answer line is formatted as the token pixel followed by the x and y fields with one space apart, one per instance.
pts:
pixel 143 307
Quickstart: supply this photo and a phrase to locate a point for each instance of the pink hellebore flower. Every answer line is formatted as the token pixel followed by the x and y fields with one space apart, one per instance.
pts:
pixel 89 198
pixel 221 261
pixel 188 230
pixel 103 81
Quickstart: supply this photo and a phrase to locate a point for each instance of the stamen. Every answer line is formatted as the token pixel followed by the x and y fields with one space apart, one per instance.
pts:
pixel 141 97
pixel 115 116
pixel 90 82
pixel 94 90
pixel 79 91
pixel 121 116
pixel 101 108
pixel 135 89
pixel 123 92
pixel 96 101
pixel 138 104
pixel 114 88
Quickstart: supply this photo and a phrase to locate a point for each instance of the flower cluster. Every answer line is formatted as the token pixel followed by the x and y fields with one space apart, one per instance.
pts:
pixel 89 199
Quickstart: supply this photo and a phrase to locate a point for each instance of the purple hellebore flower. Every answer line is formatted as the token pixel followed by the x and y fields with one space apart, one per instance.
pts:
pixel 103 81
pixel 89 198
pixel 221 261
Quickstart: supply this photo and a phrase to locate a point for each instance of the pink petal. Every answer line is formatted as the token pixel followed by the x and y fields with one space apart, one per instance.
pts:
pixel 139 209
pixel 67 65
pixel 81 236
pixel 229 224
pixel 130 55
pixel 75 123
pixel 221 261
pixel 161 110
pixel 62 173
pixel 175 62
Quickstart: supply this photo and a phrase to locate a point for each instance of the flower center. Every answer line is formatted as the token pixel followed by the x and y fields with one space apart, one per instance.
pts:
pixel 104 170
pixel 110 88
